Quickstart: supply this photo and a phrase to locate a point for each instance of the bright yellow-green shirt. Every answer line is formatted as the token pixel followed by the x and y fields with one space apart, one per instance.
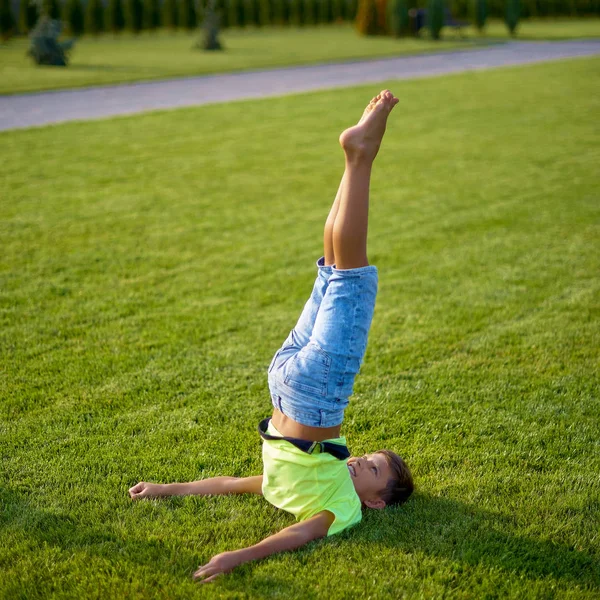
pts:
pixel 306 484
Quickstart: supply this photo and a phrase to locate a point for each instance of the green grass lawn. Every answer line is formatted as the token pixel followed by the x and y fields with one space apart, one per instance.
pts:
pixel 151 266
pixel 126 58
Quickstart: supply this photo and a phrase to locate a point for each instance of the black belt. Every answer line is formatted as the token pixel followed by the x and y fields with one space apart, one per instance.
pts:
pixel 338 450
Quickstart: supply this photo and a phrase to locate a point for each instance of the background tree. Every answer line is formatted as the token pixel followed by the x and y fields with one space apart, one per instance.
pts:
pixel 135 15
pixel 251 16
pixel 366 18
pixel 338 10
pixel 188 18
pixel 310 12
pixel 264 12
pixel 210 38
pixel 94 17
pixel 480 13
pixel 513 12
pixel 435 18
pixel 325 11
pixel 29 14
pixel 7 20
pixel 351 9
pixel 51 8
pixel 235 10
pixel 73 17
pixel 151 14
pixel 297 12
pixel 398 17
pixel 170 14
pixel 115 16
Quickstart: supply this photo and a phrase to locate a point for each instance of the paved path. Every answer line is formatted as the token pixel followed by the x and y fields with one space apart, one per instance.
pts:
pixel 27 110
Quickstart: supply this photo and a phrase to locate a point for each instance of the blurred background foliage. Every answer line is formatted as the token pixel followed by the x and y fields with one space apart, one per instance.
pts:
pixel 374 16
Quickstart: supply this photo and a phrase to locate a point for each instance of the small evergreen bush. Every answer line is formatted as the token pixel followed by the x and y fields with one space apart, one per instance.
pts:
pixel 7 20
pixel 397 17
pixel 188 18
pixel 135 15
pixel 28 15
pixel 480 13
pixel 45 48
pixel 115 16
pixel 151 14
pixel 94 17
pixel 170 14
pixel 435 18
pixel 73 18
pixel 513 12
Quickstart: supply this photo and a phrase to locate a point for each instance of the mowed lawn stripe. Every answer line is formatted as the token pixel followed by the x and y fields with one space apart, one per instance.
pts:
pixel 152 265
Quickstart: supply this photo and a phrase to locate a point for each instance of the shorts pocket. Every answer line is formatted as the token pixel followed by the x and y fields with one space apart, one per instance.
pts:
pixel 308 370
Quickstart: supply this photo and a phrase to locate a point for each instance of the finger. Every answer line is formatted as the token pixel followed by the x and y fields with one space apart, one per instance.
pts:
pixel 210 578
pixel 202 571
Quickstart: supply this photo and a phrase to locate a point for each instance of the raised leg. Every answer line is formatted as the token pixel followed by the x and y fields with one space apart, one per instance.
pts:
pixel 328 248
pixel 361 144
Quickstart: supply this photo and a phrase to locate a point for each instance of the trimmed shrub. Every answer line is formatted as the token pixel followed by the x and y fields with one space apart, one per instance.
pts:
pixel 513 12
pixel 398 17
pixel 73 17
pixel 366 18
pixel 94 17
pixel 435 18
pixel 170 14
pixel 115 16
pixel 7 20
pixel 479 13
pixel 134 15
pixel 188 16
pixel 151 14
pixel 45 48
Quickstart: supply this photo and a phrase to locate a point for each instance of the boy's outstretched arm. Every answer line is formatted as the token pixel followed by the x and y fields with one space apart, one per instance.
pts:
pixel 204 487
pixel 290 538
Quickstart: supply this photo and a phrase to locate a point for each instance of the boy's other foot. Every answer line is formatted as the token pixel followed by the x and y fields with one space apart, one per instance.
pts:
pixel 362 141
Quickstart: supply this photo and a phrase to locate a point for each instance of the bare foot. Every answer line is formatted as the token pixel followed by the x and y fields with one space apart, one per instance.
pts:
pixel 362 141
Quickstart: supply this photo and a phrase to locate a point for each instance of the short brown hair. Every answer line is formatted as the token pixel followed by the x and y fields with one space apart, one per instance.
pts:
pixel 400 486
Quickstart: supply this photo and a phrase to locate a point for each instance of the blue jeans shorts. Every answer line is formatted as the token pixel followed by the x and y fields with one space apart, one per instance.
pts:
pixel 312 375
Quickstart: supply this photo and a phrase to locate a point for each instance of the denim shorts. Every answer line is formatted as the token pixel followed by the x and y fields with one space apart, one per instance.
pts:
pixel 312 375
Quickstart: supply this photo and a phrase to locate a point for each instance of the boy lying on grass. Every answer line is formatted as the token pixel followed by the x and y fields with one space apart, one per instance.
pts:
pixel 308 470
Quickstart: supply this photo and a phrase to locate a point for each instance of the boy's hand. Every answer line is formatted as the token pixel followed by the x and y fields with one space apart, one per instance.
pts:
pixel 145 490
pixel 221 563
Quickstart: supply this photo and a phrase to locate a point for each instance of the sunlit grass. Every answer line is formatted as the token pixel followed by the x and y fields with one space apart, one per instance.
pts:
pixel 151 265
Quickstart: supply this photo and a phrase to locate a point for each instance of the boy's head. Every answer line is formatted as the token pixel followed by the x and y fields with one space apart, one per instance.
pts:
pixel 381 479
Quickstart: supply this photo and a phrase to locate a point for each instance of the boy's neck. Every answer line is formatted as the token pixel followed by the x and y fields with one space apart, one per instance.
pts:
pixel 290 428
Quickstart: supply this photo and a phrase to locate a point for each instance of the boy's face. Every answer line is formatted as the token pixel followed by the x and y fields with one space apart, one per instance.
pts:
pixel 370 474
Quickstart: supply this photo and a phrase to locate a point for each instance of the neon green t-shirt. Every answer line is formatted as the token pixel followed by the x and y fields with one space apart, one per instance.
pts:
pixel 306 484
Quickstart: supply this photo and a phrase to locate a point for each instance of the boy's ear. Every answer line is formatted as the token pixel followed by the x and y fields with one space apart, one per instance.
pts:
pixel 376 504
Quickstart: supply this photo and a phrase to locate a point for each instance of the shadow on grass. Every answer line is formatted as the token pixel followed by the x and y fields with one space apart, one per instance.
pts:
pixel 439 527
